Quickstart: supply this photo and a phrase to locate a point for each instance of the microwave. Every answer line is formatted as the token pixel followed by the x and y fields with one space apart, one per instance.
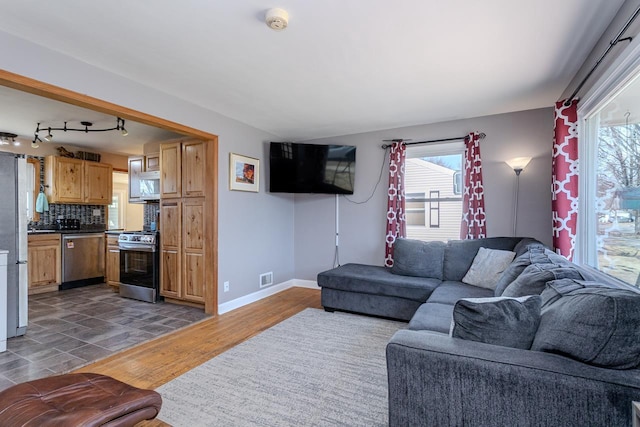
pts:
pixel 150 185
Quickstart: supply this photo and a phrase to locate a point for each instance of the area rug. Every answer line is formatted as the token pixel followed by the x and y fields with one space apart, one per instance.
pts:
pixel 313 369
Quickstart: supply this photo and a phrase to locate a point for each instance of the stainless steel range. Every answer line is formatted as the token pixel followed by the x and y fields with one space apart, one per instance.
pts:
pixel 140 265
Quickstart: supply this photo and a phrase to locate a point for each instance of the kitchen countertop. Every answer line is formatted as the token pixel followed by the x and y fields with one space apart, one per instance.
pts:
pixel 64 231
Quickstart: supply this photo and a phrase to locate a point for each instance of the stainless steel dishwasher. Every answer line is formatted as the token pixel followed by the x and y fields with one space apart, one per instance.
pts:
pixel 83 259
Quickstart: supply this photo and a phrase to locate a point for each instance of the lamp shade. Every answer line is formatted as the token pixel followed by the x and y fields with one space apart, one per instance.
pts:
pixel 518 163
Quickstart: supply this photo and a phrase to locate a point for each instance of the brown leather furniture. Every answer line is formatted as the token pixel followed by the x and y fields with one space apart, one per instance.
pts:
pixel 77 400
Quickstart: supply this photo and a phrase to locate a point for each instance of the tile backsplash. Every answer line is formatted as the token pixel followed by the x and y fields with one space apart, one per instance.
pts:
pixel 151 214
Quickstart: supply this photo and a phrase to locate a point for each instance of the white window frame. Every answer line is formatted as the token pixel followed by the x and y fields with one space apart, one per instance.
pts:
pixel 614 80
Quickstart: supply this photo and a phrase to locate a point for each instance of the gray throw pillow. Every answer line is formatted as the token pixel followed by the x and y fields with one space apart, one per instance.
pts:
pixel 592 323
pixel 487 267
pixel 533 254
pixel 418 259
pixel 509 322
pixel 533 279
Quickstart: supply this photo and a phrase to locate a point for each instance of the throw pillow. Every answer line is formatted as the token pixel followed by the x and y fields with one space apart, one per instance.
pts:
pixel 592 323
pixel 418 259
pixel 533 279
pixel 533 254
pixel 509 322
pixel 487 267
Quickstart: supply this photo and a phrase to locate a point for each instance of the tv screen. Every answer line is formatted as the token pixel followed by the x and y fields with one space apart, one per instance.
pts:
pixel 311 168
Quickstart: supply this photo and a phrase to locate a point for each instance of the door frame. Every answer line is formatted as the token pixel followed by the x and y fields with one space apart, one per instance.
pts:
pixel 46 90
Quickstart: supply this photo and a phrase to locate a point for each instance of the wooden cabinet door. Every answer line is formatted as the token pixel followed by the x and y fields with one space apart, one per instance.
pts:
pixel 193 168
pixel 98 183
pixel 44 262
pixel 112 270
pixel 65 179
pixel 170 273
pixel 170 243
pixel 170 170
pixel 152 162
pixel 193 248
pixel 136 164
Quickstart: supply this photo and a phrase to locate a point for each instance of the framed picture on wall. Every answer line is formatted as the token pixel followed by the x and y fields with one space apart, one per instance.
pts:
pixel 244 173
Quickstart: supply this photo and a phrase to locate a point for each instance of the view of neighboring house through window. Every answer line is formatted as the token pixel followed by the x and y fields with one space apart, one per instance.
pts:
pixel 433 190
pixel 611 187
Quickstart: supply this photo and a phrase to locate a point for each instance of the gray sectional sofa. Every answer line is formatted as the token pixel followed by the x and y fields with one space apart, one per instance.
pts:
pixel 542 342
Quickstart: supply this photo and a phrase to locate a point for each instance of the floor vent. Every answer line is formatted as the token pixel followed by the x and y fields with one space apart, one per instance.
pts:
pixel 266 279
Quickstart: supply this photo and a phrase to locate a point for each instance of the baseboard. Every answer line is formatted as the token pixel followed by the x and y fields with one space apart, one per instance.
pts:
pixel 266 292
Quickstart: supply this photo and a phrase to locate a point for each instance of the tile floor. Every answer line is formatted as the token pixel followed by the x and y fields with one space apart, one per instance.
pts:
pixel 72 328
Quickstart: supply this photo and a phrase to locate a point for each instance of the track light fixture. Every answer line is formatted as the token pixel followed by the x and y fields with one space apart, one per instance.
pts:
pixel 7 138
pixel 87 128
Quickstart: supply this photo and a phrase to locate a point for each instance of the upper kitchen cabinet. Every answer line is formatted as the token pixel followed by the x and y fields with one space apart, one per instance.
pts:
pixel 77 181
pixel 182 169
pixel 98 183
pixel 170 170
pixel 136 167
pixel 152 162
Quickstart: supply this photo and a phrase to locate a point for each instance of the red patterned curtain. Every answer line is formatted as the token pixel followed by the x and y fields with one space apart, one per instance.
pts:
pixel 473 215
pixel 396 222
pixel 564 202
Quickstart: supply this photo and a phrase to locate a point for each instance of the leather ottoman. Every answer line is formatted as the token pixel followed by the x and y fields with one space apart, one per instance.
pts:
pixel 77 400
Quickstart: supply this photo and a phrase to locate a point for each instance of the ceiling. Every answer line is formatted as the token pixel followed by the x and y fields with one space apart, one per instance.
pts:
pixel 341 67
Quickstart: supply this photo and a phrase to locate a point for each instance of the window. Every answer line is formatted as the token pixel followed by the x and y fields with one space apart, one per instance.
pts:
pixel 609 226
pixel 434 209
pixel 115 211
pixel 433 191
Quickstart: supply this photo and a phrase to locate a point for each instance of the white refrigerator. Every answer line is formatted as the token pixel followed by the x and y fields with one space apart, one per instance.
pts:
pixel 13 238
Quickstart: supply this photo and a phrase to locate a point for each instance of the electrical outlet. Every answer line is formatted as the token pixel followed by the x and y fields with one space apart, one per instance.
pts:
pixel 226 286
pixel 96 212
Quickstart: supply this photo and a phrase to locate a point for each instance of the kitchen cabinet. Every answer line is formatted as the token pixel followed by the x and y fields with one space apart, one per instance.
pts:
pixel 170 248
pixel 44 262
pixel 170 170
pixel 183 183
pixel 152 162
pixel 77 181
pixel 112 270
pixel 182 274
pixel 135 167
pixel 98 183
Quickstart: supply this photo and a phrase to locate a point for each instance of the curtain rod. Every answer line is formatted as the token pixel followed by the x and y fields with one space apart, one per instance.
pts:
pixel 606 52
pixel 385 146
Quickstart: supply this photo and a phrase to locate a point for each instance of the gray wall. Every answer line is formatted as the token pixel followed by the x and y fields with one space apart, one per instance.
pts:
pixel 626 11
pixel 255 230
pixel 362 226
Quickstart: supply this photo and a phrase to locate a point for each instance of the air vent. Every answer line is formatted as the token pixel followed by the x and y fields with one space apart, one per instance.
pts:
pixel 266 279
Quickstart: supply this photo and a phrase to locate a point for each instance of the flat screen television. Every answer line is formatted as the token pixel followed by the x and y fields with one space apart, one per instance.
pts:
pixel 311 168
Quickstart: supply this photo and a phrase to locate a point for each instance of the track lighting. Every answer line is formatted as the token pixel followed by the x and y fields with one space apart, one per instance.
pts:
pixel 7 138
pixel 87 128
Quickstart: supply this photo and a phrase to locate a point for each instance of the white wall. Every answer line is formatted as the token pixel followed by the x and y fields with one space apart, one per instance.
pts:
pixel 255 230
pixel 362 227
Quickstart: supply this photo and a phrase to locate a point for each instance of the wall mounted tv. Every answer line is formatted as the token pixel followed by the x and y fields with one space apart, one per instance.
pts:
pixel 311 168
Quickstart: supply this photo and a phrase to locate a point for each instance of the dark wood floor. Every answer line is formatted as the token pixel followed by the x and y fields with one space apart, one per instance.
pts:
pixel 157 362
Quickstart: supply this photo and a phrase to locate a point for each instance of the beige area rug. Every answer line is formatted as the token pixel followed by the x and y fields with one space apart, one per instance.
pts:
pixel 313 369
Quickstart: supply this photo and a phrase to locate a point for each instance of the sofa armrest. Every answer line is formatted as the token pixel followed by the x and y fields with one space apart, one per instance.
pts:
pixel 435 380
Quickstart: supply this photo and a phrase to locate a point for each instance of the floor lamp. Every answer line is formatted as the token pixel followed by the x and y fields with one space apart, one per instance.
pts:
pixel 517 164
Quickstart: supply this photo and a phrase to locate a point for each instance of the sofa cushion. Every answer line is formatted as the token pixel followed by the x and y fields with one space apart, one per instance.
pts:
pixel 533 254
pixel 376 280
pixel 417 258
pixel 459 254
pixel 533 279
pixel 487 267
pixel 525 244
pixel 592 323
pixel 450 292
pixel 432 316
pixel 509 322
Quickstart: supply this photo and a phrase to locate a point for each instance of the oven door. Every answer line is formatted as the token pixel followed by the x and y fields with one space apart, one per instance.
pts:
pixel 139 266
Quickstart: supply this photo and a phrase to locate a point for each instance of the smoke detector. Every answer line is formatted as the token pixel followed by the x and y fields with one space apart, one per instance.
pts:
pixel 277 19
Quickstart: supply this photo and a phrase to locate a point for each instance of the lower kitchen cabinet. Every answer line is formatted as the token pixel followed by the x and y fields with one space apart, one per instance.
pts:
pixel 182 275
pixel 44 262
pixel 112 272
